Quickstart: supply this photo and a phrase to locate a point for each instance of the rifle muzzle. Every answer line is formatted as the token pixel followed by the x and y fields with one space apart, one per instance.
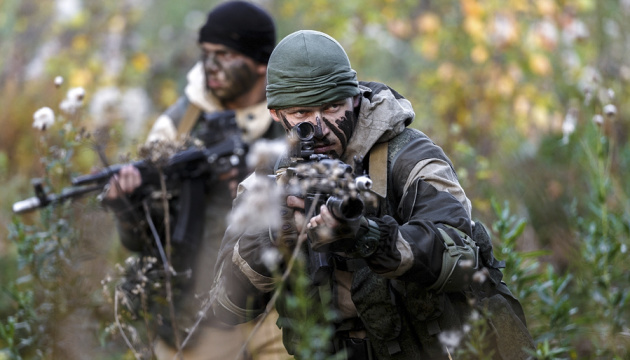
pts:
pixel 345 209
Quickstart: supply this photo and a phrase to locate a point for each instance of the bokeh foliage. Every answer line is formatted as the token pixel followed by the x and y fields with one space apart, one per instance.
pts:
pixel 526 97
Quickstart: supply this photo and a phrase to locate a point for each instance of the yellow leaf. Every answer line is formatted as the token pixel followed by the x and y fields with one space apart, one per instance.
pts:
pixel 482 205
pixel 446 71
pixel 168 93
pixel 399 28
pixel 474 27
pixel 472 8
pixel 521 105
pixel 540 64
pixel 80 77
pixel 586 5
pixel 429 48
pixel 428 23
pixel 540 117
pixel 479 54
pixel 117 24
pixel 546 7
pixel 140 62
pixel 505 86
pixel 80 42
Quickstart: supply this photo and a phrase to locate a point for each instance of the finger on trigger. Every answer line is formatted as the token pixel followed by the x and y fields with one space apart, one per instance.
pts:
pixel 295 202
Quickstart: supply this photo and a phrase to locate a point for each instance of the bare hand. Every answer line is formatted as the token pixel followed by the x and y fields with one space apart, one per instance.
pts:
pixel 325 217
pixel 125 182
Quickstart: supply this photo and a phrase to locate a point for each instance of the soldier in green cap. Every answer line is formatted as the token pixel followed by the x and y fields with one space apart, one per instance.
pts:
pixel 402 272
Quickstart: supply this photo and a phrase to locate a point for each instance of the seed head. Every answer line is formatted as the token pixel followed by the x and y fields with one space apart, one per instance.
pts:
pixel 43 118
pixel 58 81
pixel 610 110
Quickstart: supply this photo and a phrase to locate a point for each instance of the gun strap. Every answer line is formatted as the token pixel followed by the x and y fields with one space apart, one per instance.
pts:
pixel 378 168
pixel 188 120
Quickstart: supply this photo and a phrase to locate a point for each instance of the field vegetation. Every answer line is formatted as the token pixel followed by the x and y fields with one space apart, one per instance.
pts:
pixel 528 98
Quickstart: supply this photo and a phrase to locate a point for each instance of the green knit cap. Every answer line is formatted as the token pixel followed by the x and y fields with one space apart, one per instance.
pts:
pixel 309 68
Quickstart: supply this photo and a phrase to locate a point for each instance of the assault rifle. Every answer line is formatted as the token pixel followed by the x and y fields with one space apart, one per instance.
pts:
pixel 321 180
pixel 192 163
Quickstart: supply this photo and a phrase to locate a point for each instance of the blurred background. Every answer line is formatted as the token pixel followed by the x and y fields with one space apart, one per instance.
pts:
pixel 527 97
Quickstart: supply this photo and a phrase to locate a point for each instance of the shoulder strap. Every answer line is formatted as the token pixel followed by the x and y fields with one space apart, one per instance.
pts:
pixel 378 168
pixel 188 120
pixel 383 154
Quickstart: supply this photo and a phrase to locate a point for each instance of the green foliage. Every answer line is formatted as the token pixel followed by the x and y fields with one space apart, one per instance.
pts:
pixel 48 284
pixel 310 329
pixel 510 89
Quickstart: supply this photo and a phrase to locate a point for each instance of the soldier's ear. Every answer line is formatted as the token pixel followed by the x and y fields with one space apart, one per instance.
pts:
pixel 274 115
pixel 261 69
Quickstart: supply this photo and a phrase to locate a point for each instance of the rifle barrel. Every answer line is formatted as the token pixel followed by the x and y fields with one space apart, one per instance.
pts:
pixel 26 205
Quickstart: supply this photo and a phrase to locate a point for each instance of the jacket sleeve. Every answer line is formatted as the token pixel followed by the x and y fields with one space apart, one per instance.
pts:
pixel 429 209
pixel 132 227
pixel 130 223
pixel 243 283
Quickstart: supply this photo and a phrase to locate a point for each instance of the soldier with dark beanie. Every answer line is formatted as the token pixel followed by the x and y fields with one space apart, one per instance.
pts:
pixel 226 94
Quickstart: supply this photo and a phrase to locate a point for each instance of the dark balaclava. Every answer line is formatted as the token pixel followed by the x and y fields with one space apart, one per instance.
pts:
pixel 309 68
pixel 242 26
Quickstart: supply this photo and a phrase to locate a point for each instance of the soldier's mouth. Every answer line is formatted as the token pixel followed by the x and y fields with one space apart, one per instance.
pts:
pixel 322 149
pixel 214 83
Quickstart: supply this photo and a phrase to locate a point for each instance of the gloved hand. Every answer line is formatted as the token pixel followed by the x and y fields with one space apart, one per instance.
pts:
pixel 287 234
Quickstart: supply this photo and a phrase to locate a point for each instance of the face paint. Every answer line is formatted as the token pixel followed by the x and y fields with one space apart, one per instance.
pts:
pixel 285 122
pixel 333 124
pixel 343 128
pixel 236 79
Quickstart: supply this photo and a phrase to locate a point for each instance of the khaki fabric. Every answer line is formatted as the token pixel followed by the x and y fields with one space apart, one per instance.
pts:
pixel 225 344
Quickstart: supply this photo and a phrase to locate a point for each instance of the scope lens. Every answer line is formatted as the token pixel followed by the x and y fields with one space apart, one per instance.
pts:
pixel 305 130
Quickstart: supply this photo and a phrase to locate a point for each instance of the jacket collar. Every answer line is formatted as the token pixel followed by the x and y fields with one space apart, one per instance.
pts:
pixel 382 116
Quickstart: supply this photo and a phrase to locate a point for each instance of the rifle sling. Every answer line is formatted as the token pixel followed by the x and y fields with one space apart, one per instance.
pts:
pixel 188 120
pixel 378 168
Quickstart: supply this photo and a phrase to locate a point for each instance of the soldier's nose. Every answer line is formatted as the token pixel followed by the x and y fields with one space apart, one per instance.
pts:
pixel 319 132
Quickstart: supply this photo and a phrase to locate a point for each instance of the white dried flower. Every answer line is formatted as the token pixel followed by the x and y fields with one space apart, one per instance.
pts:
pixel 450 339
pixel 271 258
pixel 265 152
pixel 76 94
pixel 479 277
pixel 260 207
pixel 610 110
pixel 568 125
pixel 103 106
pixel 43 118
pixel 474 316
pixel 58 81
pixel 598 119
pixel 574 31
pixel 73 100
pixel 135 108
